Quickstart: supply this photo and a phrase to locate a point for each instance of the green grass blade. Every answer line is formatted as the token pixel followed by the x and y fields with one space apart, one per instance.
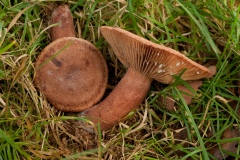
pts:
pixel 193 124
pixel 201 25
pixel 134 22
pixel 2 50
pixel 3 136
pixel 88 19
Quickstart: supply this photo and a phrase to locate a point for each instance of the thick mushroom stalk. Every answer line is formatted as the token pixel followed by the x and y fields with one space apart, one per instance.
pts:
pixel 145 61
pixel 70 71
pixel 65 28
pixel 126 96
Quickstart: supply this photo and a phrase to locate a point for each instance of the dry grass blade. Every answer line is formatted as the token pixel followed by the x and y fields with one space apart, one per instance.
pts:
pixel 204 31
pixel 14 21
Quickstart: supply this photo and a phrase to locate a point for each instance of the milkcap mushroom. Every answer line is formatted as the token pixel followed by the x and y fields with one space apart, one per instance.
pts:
pixel 145 61
pixel 70 72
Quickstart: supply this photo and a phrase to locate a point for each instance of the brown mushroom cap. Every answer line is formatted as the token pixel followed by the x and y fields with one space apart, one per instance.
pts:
pixel 153 60
pixel 71 73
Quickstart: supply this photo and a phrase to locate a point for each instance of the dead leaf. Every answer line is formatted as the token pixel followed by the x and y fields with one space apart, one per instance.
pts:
pixel 213 71
pixel 168 102
pixel 234 104
pixel 180 135
pixel 188 94
pixel 211 65
pixel 228 146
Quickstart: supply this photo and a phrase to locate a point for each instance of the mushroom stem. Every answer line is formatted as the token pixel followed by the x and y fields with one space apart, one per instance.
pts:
pixel 126 96
pixel 65 28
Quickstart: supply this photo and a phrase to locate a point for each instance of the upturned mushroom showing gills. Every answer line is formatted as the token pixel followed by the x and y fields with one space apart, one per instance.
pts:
pixel 70 72
pixel 145 61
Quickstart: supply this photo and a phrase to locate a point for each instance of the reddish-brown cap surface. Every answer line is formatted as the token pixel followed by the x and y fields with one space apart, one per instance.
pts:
pixel 71 73
pixel 156 61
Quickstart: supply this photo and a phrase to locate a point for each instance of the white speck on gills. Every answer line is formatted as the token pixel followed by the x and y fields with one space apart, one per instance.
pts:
pixel 160 71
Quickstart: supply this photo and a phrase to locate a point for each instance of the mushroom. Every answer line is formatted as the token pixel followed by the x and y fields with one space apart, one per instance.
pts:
pixel 65 28
pixel 70 71
pixel 145 61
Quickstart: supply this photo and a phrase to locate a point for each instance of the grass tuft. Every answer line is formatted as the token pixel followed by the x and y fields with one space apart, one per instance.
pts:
pixel 205 31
